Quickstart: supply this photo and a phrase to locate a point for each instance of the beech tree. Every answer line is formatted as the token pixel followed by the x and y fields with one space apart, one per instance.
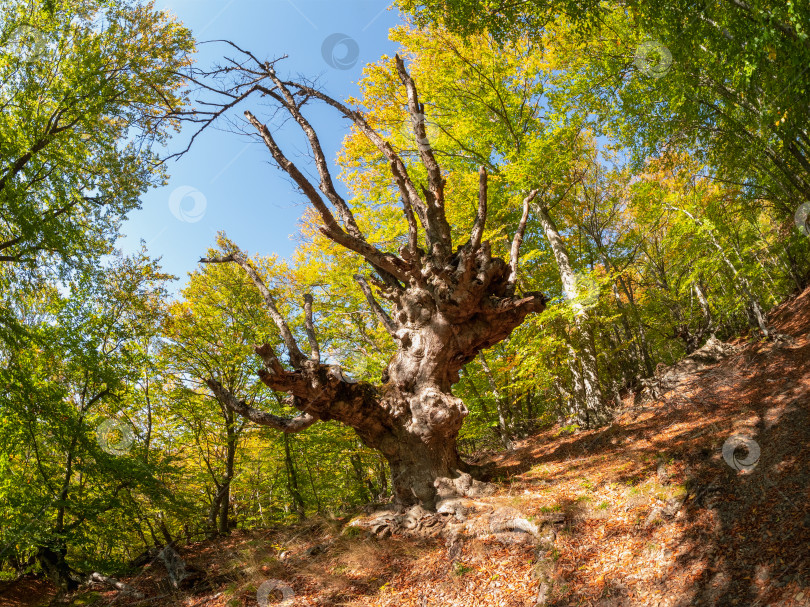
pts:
pixel 440 305
pixel 492 108
pixel 735 76
pixel 84 111
pixel 64 491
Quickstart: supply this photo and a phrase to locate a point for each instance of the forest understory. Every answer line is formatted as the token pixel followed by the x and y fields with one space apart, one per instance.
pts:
pixel 643 512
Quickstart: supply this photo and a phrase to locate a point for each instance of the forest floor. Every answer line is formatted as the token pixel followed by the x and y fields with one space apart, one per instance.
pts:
pixel 648 513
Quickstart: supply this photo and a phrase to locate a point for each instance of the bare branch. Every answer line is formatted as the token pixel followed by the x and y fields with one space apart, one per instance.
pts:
pixel 285 424
pixel 531 301
pixel 225 259
pixel 431 214
pixel 326 184
pixel 435 201
pixel 331 229
pixel 408 209
pixel 268 356
pixel 413 232
pixel 210 118
pixel 315 352
pixel 407 187
pixel 381 314
pixel 514 255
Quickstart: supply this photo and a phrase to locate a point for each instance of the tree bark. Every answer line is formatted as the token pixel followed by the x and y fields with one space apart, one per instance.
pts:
pixel 213 511
pixel 118 585
pixel 53 563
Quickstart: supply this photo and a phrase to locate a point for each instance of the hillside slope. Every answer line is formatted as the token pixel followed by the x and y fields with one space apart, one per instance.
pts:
pixel 646 512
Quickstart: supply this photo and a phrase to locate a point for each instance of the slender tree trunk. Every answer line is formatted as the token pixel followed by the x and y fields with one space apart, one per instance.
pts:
pixel 148 434
pixel 52 557
pixel 560 398
pixel 482 402
pixel 774 287
pixel 628 333
pixel 213 511
pixel 505 428
pixel 382 480
pixel 155 540
pixel 530 411
pixel 799 276
pixel 642 333
pixel 230 457
pixel 639 340
pixel 224 507
pixel 366 486
pixel 708 319
pixel 756 315
pixel 164 530
pixel 292 480
pixel 318 506
pixel 582 346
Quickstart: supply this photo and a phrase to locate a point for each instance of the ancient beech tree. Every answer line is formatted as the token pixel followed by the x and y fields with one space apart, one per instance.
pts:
pixel 443 305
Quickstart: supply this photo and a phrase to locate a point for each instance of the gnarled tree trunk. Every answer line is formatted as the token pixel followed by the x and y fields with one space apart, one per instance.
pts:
pixel 444 306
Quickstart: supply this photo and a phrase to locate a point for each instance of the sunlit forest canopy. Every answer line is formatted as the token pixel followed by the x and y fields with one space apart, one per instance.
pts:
pixel 512 222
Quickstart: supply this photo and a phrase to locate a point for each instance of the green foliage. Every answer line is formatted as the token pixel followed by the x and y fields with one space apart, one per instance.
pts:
pixel 732 92
pixel 665 249
pixel 669 244
pixel 83 107
pixel 503 20
pixel 567 430
pixel 87 93
pixel 460 568
pixel 62 483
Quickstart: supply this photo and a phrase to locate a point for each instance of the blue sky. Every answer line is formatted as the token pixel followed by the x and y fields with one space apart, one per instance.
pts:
pixel 226 181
